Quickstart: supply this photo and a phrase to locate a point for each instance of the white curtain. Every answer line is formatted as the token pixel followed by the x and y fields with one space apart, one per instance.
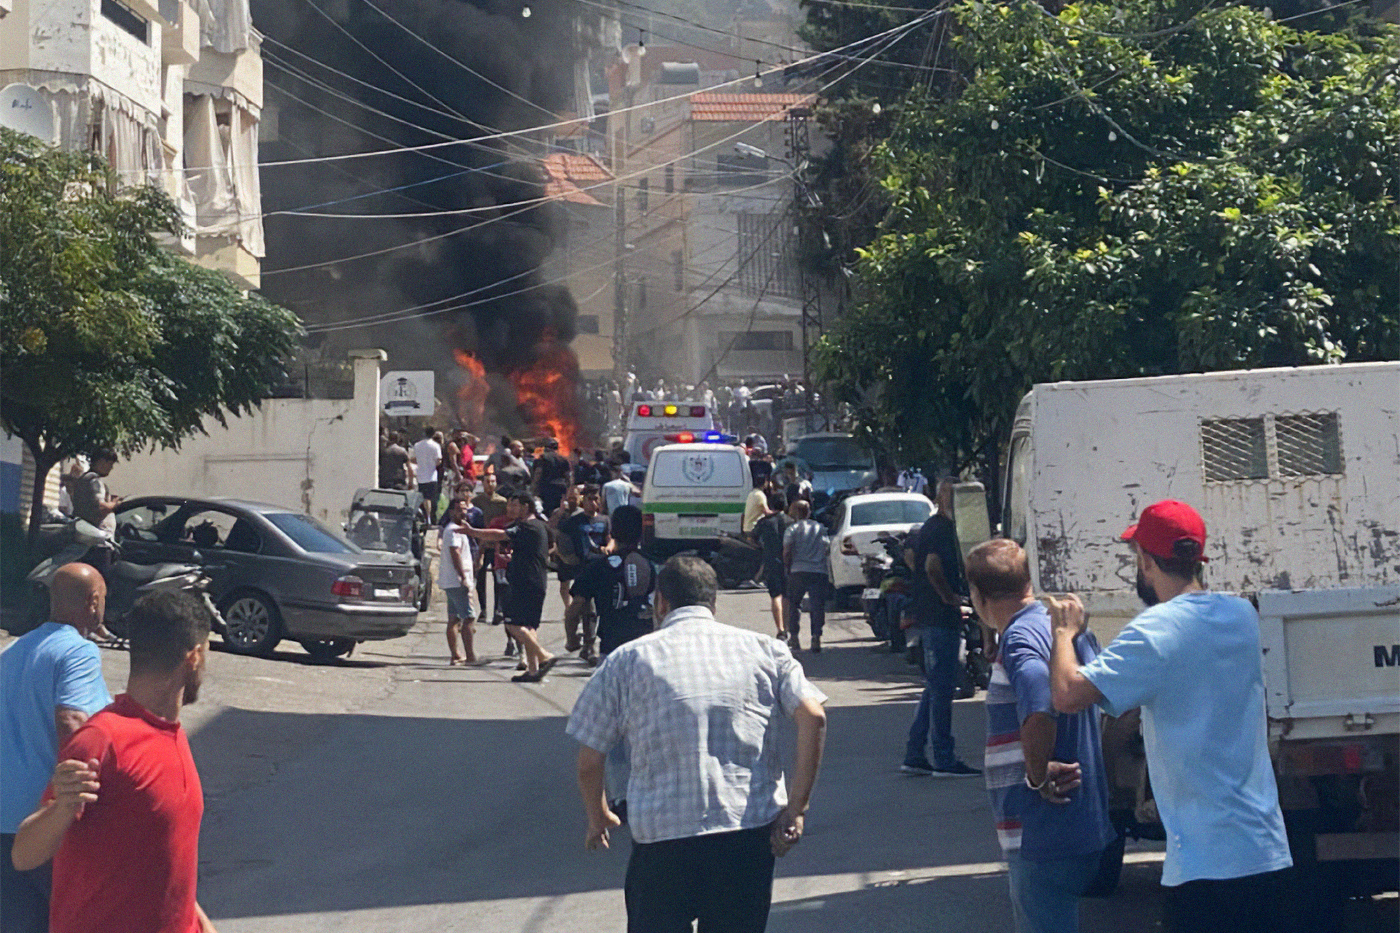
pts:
pixel 222 158
pixel 224 25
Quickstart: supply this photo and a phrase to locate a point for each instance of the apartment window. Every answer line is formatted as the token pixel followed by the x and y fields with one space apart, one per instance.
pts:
pixel 767 255
pixel 1276 447
pixel 127 18
pixel 586 324
pixel 643 189
pixel 779 340
pixel 670 178
pixel 678 269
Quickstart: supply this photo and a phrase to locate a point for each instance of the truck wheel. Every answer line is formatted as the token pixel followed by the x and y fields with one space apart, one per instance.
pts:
pixel 426 595
pixel 252 624
pixel 328 649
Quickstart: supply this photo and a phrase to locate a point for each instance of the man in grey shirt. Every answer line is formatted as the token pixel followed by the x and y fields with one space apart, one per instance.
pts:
pixel 805 547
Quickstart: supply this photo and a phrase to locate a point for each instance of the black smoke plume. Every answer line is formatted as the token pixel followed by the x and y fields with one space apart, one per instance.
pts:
pixel 495 254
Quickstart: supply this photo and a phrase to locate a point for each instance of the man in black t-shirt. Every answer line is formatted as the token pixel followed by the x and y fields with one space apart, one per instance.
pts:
pixel 527 574
pixel 770 530
pixel 619 585
pixel 550 476
pixel 933 556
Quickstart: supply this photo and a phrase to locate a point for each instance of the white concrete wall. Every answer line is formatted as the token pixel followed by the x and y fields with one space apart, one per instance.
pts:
pixel 72 36
pixel 309 455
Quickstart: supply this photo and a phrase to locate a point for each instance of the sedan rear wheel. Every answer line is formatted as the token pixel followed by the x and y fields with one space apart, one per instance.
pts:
pixel 251 624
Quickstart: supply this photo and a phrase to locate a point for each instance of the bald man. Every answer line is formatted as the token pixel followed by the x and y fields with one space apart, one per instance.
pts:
pixel 50 683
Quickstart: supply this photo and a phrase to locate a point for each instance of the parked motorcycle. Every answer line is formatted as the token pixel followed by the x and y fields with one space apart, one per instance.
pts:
pixel 735 560
pixel 888 587
pixel 126 582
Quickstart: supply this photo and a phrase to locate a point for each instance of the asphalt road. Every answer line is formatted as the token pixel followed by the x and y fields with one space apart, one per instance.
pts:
pixel 389 792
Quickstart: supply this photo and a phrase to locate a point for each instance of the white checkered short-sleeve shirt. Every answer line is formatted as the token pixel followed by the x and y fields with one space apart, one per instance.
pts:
pixel 698 704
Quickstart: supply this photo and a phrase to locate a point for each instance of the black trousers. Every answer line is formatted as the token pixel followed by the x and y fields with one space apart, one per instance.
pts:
pixel 722 880
pixel 24 895
pixel 813 585
pixel 1235 905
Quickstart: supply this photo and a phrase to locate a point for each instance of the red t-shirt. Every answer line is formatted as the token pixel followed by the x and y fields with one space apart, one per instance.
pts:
pixel 129 863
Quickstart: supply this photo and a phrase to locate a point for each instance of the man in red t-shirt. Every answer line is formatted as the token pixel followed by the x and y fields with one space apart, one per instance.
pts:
pixel 121 817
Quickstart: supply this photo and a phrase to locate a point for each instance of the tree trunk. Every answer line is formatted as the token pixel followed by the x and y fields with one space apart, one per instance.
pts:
pixel 43 463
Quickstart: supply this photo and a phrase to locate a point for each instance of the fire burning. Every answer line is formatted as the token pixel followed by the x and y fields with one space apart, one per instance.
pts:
pixel 471 394
pixel 547 391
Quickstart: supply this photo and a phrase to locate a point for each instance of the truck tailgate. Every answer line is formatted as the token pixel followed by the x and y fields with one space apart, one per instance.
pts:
pixel 1331 661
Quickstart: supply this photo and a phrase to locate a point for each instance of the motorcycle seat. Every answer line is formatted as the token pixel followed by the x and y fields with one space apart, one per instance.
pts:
pixel 145 573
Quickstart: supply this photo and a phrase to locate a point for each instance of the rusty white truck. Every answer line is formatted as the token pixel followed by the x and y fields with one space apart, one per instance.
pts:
pixel 1297 474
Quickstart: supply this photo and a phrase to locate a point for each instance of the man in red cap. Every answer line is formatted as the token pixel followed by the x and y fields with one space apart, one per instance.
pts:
pixel 1192 662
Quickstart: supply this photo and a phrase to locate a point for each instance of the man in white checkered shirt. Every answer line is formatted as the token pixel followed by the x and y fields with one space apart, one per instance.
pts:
pixel 697 703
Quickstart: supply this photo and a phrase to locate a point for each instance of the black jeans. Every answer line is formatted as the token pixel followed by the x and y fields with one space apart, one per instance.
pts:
pixel 814 586
pixel 1234 905
pixel 24 895
pixel 722 880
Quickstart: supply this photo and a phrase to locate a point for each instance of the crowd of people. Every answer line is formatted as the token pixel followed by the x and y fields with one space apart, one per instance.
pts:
pixel 86 779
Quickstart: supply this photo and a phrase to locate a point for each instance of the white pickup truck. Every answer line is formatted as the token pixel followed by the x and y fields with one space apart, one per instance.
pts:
pixel 1297 474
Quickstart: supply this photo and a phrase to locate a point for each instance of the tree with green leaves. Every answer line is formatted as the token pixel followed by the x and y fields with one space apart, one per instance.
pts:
pixel 1122 190
pixel 106 337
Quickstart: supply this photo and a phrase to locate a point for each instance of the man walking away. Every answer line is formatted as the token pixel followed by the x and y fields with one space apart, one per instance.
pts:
pixel 696 702
pixel 618 491
pixel 932 553
pixel 393 464
pixel 427 457
pixel 1045 772
pixel 121 817
pixel 528 575
pixel 771 530
pixel 551 475
pixel 806 547
pixel 584 536
pixel 51 682
pixel 455 581
pixel 619 586
pixel 1192 662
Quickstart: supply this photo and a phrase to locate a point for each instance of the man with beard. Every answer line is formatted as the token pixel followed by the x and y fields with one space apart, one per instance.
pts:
pixel 121 817
pixel 1192 662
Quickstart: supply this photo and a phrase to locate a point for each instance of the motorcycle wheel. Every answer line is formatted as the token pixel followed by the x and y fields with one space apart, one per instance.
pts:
pixel 328 649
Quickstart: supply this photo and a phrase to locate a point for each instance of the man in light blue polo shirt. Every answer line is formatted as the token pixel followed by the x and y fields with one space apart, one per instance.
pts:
pixel 50 683
pixel 1192 662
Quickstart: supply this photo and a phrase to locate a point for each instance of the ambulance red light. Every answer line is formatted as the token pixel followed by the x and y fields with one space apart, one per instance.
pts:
pixel 685 437
pixel 697 411
pixel 644 411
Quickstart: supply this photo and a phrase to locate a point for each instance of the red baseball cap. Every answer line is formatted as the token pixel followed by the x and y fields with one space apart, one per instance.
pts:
pixel 1164 523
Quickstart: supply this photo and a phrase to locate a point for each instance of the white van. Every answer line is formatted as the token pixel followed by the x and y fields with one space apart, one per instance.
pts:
pixel 652 424
pixel 693 493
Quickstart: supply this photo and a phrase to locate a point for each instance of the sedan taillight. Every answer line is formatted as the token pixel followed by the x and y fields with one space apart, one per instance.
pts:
pixel 848 547
pixel 349 587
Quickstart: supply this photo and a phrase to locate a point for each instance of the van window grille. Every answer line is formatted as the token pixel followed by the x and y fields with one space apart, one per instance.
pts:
pixel 1308 445
pixel 1234 449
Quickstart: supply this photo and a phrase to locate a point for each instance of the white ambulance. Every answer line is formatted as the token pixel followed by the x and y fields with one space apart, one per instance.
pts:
pixel 694 492
pixel 648 424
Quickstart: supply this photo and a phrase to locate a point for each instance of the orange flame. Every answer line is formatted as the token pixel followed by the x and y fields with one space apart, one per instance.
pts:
pixel 471 394
pixel 547 391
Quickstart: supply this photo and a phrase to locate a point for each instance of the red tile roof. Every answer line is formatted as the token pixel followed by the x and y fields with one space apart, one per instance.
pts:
pixel 745 108
pixel 567 172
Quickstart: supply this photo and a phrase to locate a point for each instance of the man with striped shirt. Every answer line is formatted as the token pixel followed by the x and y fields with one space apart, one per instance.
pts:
pixel 1044 770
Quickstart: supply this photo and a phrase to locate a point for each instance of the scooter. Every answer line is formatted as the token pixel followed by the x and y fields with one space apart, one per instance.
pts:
pixel 735 560
pixel 126 581
pixel 888 586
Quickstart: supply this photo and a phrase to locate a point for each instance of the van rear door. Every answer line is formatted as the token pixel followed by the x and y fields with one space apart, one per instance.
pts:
pixel 696 492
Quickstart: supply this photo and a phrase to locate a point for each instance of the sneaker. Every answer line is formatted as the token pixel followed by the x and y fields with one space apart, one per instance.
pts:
pixel 522 666
pixel 794 642
pixel 816 644
pixel 510 648
pixel 956 769
pixel 572 644
pixel 919 766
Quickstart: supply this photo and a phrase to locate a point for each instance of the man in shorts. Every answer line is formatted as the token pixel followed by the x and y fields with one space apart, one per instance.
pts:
pixel 528 575
pixel 455 581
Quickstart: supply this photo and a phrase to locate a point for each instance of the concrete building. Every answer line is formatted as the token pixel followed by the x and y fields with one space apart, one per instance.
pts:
pixel 169 91
pixel 581 186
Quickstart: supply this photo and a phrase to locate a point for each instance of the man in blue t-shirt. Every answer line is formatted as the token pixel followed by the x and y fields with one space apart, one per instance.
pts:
pixel 1045 771
pixel 50 683
pixel 1192 662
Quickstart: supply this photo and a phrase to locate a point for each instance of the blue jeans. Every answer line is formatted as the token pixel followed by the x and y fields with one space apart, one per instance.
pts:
pixel 1045 894
pixel 933 723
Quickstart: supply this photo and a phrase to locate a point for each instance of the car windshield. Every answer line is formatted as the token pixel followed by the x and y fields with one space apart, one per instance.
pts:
pixel 891 512
pixel 310 535
pixel 832 453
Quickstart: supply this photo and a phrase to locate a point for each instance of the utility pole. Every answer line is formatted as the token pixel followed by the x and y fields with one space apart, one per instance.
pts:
pixel 619 347
pixel 798 149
